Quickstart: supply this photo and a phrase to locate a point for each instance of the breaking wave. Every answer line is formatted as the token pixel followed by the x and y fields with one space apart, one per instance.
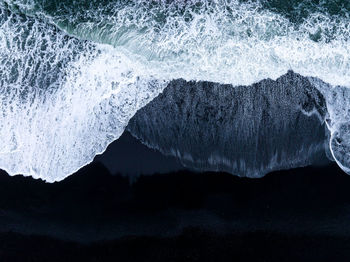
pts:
pixel 73 73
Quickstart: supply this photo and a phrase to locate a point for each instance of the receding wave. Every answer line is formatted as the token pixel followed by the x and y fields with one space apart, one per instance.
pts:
pixel 73 73
pixel 248 131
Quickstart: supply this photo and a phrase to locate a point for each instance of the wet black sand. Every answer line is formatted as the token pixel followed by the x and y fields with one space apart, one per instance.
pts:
pixel 294 215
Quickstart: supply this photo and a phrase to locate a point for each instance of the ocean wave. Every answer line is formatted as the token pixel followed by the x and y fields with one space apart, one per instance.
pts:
pixel 231 42
pixel 73 73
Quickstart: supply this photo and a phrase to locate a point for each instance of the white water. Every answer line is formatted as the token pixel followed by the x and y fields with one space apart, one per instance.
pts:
pixel 55 120
pixel 65 99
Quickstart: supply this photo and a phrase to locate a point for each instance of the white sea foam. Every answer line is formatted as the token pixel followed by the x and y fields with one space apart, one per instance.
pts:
pixel 71 78
pixel 62 101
